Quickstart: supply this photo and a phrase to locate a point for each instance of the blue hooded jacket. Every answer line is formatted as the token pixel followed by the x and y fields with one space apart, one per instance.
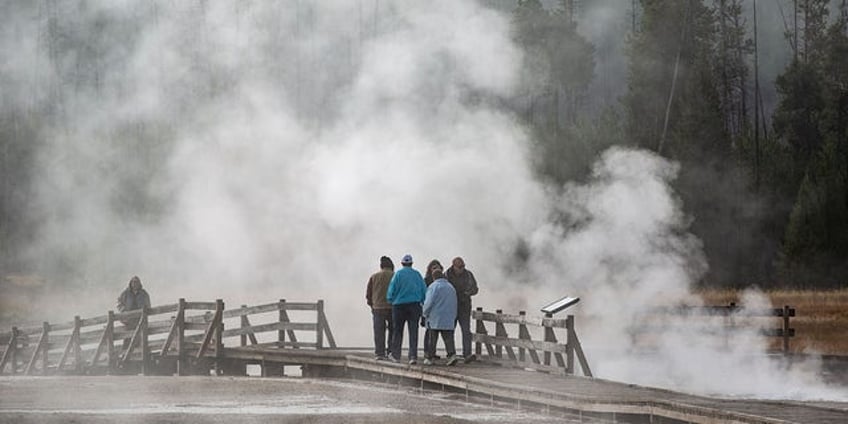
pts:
pixel 407 286
pixel 440 305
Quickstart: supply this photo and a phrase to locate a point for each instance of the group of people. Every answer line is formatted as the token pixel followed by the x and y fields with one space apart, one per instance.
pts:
pixel 438 301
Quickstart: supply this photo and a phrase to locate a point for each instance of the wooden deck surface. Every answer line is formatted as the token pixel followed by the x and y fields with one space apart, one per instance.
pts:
pixel 581 395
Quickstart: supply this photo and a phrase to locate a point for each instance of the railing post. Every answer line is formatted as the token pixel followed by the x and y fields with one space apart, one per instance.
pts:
pixel 11 352
pixel 524 334
pixel 523 315
pixel 110 342
pixel 40 348
pixel 549 337
pixel 145 348
pixel 480 329
pixel 281 334
pixel 77 348
pixel 243 337
pixel 730 324
pixel 569 344
pixel 499 333
pixel 319 336
pixel 785 329
pixel 181 350
pixel 219 340
pixel 15 351
pixel 45 328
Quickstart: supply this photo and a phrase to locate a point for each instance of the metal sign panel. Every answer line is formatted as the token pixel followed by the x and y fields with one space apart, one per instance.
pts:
pixel 560 304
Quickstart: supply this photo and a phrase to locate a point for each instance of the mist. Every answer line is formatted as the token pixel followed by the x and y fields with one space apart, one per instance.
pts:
pixel 257 151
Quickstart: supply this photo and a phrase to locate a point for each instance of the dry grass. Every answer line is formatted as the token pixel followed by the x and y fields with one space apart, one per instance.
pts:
pixel 820 321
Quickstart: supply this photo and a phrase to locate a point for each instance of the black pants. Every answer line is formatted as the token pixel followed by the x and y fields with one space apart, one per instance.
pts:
pixel 447 338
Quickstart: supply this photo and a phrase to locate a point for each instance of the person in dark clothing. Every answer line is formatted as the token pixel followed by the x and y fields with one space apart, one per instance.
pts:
pixel 428 279
pixel 465 285
pixel 132 298
pixel 381 309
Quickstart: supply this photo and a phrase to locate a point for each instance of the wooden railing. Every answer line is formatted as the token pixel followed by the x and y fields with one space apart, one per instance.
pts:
pixel 728 320
pixel 186 337
pixel 524 352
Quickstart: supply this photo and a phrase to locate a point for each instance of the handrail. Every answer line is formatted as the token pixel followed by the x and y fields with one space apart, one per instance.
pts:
pixel 89 344
pixel 500 342
pixel 730 311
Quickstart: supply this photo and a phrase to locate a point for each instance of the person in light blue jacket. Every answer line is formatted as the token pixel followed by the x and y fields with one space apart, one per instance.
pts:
pixel 440 317
pixel 406 294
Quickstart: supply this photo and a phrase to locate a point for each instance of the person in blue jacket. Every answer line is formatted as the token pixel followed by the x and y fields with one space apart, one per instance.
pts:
pixel 440 317
pixel 406 294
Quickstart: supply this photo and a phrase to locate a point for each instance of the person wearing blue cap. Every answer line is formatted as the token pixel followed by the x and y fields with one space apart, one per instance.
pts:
pixel 406 294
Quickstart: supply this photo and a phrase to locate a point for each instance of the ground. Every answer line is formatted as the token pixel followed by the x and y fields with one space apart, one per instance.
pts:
pixel 157 400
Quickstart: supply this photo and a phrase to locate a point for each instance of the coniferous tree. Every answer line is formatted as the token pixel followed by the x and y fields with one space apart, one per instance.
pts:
pixel 815 250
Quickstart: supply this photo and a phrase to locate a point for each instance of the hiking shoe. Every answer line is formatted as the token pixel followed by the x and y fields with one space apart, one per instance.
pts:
pixel 471 358
pixel 452 360
pixel 413 361
pixel 427 361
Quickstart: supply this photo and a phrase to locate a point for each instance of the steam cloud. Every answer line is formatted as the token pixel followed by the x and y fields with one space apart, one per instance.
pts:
pixel 293 145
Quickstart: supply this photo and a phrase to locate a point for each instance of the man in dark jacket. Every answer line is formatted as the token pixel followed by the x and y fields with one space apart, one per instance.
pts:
pixel 381 309
pixel 465 285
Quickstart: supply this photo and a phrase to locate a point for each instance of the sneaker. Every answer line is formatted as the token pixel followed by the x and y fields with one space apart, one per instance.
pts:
pixel 437 357
pixel 452 360
pixel 471 358
pixel 427 361
pixel 380 358
pixel 413 361
pixel 393 359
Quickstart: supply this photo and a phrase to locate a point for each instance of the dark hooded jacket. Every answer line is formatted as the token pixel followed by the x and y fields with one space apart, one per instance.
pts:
pixel 465 285
pixel 129 301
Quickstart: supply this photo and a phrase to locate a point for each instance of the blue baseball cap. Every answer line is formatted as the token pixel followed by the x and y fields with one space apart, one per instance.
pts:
pixel 407 259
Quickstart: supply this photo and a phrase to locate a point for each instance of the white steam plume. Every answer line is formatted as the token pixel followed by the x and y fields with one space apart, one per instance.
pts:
pixel 280 150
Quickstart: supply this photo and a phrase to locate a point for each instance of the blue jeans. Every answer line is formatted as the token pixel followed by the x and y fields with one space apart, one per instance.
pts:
pixel 463 318
pixel 409 314
pixel 382 323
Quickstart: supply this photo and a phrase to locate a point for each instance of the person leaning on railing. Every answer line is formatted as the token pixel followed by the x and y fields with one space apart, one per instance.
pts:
pixel 132 298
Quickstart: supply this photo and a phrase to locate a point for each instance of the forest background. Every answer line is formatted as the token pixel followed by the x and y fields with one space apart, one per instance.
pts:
pixel 754 109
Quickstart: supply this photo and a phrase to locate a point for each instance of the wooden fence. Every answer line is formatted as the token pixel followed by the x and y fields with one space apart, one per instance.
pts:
pixel 727 321
pixel 183 338
pixel 528 350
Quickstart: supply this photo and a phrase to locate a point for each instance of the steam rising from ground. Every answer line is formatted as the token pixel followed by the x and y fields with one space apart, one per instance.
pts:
pixel 254 151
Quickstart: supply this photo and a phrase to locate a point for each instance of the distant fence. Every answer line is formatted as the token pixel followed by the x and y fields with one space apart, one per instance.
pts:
pixel 726 320
pixel 524 352
pixel 186 338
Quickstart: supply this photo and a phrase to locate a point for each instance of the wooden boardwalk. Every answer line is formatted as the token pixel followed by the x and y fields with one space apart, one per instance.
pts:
pixel 533 374
pixel 590 399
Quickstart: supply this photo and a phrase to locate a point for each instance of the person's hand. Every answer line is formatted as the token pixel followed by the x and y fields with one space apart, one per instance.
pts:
pixel 423 322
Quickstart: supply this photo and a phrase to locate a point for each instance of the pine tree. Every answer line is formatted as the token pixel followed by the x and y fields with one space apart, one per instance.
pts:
pixel 813 116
